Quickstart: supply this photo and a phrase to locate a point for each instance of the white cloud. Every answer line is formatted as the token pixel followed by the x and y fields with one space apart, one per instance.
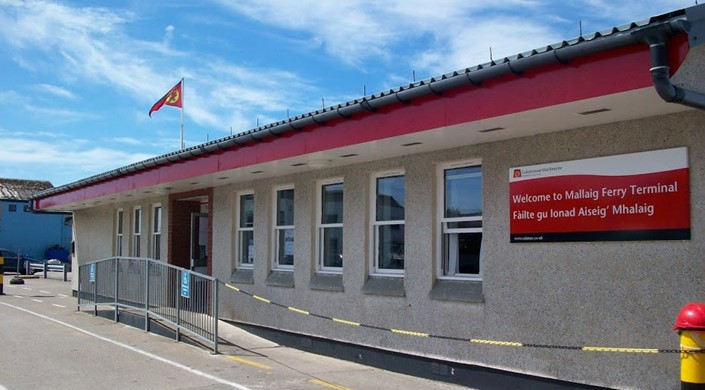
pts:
pixel 90 45
pixel 471 44
pixel 59 114
pixel 126 141
pixel 76 159
pixel 168 34
pixel 56 91
pixel 359 30
pixel 457 33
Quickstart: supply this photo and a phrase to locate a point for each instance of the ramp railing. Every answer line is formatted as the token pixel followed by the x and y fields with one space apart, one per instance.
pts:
pixel 182 299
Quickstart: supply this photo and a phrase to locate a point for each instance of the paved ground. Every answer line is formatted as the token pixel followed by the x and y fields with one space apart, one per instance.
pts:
pixel 46 344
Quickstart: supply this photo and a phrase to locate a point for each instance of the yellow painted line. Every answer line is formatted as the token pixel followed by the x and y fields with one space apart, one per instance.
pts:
pixel 345 322
pixel 628 350
pixel 409 333
pixel 328 384
pixel 265 300
pixel 248 362
pixel 494 342
pixel 298 310
pixel 232 287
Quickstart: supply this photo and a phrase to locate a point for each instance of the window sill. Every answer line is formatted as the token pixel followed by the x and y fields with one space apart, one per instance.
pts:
pixel 458 290
pixel 243 275
pixel 327 282
pixel 389 286
pixel 281 279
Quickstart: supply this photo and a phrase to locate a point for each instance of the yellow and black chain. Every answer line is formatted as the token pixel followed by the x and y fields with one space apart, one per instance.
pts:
pixel 463 339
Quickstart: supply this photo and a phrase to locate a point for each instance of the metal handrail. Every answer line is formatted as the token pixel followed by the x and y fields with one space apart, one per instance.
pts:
pixel 184 299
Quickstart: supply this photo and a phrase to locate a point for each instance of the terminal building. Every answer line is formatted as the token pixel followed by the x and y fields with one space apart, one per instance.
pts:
pixel 544 200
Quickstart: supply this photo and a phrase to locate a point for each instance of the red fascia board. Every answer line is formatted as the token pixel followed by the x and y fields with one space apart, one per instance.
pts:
pixel 588 77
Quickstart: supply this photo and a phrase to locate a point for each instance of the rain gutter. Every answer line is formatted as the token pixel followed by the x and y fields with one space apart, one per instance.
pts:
pixel 654 32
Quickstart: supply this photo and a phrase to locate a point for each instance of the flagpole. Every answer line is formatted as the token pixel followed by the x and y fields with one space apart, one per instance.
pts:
pixel 183 87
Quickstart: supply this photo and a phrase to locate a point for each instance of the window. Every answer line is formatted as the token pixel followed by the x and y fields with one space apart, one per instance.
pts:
pixel 245 230
pixel 330 226
pixel 461 220
pixel 156 231
pixel 136 231
pixel 12 208
pixel 118 232
pixel 388 223
pixel 284 228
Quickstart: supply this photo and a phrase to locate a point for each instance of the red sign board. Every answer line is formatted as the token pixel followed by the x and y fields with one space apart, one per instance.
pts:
pixel 638 196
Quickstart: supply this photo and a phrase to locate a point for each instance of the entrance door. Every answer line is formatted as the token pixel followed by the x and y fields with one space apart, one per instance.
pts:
pixel 199 242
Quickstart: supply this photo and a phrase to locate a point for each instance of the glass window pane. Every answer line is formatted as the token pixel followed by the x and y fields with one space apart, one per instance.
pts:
pixel 390 198
pixel 119 222
pixel 157 220
pixel 285 245
pixel 247 210
pixel 247 247
pixel 461 253
pixel 136 246
pixel 332 241
pixel 332 203
pixel 464 224
pixel 157 247
pixel 285 207
pixel 463 192
pixel 138 221
pixel 118 246
pixel 391 247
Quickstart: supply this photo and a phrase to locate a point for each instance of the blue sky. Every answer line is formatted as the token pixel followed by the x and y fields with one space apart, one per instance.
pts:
pixel 77 78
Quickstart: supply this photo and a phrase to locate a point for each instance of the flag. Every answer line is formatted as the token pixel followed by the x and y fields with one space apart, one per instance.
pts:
pixel 172 98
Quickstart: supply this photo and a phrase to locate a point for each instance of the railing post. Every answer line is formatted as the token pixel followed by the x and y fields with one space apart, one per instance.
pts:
pixel 178 305
pixel 215 316
pixel 65 272
pixel 95 292
pixel 46 268
pixel 146 295
pixel 78 293
pixel 117 272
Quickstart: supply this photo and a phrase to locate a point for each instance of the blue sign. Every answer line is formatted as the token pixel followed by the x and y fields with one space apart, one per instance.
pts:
pixel 185 284
pixel 91 273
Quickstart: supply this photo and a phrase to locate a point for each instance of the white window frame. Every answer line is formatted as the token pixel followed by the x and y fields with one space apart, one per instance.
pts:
pixel 239 230
pixel 320 268
pixel 280 229
pixel 375 225
pixel 156 231
pixel 442 221
pixel 136 231
pixel 119 232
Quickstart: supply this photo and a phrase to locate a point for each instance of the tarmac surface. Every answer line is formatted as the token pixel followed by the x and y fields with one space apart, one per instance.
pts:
pixel 45 343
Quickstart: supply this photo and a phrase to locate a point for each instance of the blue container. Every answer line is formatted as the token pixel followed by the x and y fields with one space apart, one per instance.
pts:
pixel 57 252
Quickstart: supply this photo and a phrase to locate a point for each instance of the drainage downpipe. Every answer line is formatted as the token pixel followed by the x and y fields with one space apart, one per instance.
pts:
pixel 656 38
